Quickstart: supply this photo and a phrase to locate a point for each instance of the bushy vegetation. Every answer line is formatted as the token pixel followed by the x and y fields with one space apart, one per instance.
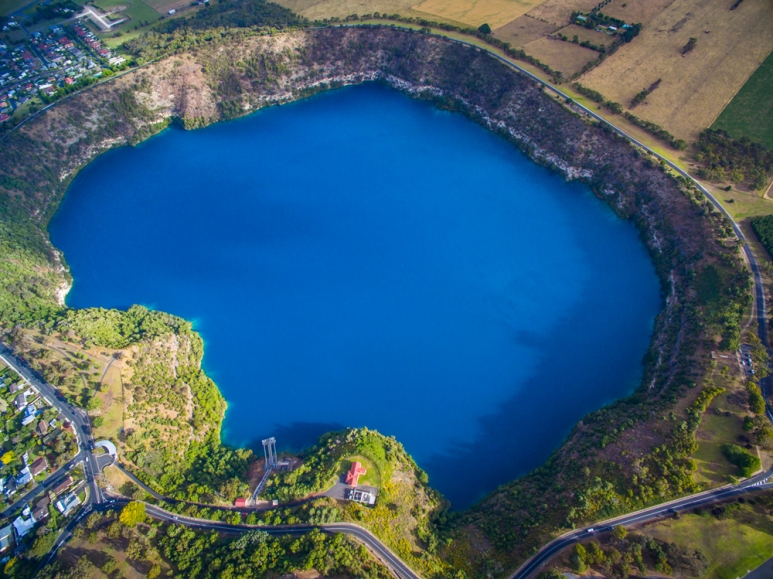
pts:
pixel 657 131
pixel 164 550
pixel 763 229
pixel 740 161
pixel 746 462
pixel 234 14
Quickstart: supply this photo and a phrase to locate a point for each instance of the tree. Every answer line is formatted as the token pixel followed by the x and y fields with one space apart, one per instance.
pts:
pixel 579 559
pixel 132 514
pixel 8 457
pixel 154 571
pixel 619 532
pixel 746 462
pixel 689 46
pixel 484 29
pixel 109 566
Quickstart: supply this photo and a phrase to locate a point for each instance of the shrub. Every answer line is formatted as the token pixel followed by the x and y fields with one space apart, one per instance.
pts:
pixel 746 462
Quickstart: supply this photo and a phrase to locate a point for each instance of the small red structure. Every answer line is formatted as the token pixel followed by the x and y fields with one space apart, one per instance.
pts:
pixel 353 476
pixel 240 502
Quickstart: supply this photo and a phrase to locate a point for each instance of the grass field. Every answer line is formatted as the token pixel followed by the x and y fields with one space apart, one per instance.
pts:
pixel 524 30
pixel 137 11
pixel 750 113
pixel 734 545
pixel 695 88
pixel 716 429
pixel 559 12
pixel 371 478
pixel 9 6
pixel 642 11
pixel 583 34
pixel 567 57
pixel 475 12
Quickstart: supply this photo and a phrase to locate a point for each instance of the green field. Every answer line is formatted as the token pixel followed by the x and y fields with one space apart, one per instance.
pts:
pixel 136 10
pixel 750 113
pixel 714 431
pixel 371 477
pixel 733 545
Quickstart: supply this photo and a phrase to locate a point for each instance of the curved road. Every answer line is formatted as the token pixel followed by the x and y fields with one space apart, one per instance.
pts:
pixel 97 501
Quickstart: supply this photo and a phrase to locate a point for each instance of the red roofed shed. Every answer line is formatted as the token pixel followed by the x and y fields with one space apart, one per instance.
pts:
pixel 240 502
pixel 353 476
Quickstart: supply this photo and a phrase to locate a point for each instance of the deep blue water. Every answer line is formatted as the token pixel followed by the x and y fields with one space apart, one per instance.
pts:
pixel 362 259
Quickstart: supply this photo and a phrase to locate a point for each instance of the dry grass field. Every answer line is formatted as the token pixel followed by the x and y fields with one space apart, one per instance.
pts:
pixel 559 12
pixel 583 34
pixel 524 30
pixel 696 87
pixel 642 11
pixel 319 9
pixel 475 12
pixel 564 56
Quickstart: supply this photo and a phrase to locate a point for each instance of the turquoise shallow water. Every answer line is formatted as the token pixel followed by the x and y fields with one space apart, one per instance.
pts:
pixel 362 259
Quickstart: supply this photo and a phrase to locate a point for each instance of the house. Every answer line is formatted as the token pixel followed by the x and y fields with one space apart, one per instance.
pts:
pixel 241 502
pixel 43 502
pixel 361 496
pixel 6 537
pixel 39 465
pixel 40 513
pixel 10 487
pixel 42 428
pixel 62 486
pixel 353 476
pixel 20 401
pixel 172 11
pixel 23 526
pixel 67 504
pixel 23 477
pixel 14 388
pixel 29 415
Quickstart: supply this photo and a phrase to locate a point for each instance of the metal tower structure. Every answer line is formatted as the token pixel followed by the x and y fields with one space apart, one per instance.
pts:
pixel 269 452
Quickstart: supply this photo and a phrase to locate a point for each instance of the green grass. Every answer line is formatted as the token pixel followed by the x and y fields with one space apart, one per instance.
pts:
pixel 136 10
pixel 733 545
pixel 371 478
pixel 750 113
pixel 9 6
pixel 714 431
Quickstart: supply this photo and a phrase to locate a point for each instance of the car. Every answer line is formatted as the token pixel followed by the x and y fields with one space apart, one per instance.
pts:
pixel 591 530
pixel 91 445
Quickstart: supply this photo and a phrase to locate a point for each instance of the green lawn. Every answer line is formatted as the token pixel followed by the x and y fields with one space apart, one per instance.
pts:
pixel 714 431
pixel 9 6
pixel 750 113
pixel 371 478
pixel 136 10
pixel 733 545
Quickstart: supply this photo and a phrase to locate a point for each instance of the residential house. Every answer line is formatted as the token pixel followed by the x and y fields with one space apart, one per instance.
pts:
pixel 62 486
pixel 23 526
pixel 21 401
pixel 39 465
pixel 354 474
pixel 24 477
pixel 29 415
pixel 42 428
pixel 6 537
pixel 67 504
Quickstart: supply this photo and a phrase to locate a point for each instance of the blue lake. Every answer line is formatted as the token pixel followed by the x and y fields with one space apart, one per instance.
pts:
pixel 363 259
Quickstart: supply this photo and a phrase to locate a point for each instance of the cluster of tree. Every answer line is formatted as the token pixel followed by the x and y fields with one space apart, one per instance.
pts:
pixel 235 14
pixel 625 551
pixel 741 161
pixel 722 294
pixel 641 96
pixel 60 9
pixel 614 108
pixel 689 46
pixel 657 131
pixel 746 462
pixel 763 229
pixel 596 18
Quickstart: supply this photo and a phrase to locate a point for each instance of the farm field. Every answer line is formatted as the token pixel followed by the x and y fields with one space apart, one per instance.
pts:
pixel 696 87
pixel 750 113
pixel 567 57
pixel 137 11
pixel 475 12
pixel 559 12
pixel 583 34
pixel 319 9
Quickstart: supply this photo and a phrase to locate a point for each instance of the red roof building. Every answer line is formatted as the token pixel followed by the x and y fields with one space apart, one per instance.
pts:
pixel 353 476
pixel 240 502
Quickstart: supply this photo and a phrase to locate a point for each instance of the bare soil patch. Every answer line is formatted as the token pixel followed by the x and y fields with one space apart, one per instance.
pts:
pixel 524 30
pixel 695 87
pixel 567 57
